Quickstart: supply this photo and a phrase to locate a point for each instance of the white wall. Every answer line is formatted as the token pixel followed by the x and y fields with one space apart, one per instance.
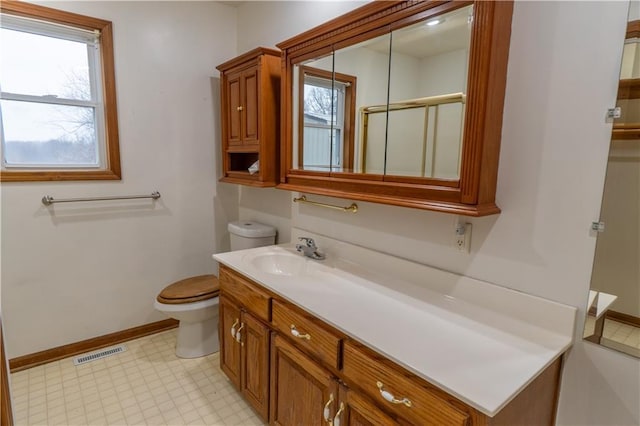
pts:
pixel 76 271
pixel 563 73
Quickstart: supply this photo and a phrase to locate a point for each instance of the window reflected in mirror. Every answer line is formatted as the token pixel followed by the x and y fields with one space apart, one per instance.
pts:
pixel 313 107
pixel 327 115
pixel 391 105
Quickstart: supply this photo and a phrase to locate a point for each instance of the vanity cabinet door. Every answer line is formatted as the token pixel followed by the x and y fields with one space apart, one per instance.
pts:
pixel 300 388
pixel 359 411
pixel 229 347
pixel 244 357
pixel 254 365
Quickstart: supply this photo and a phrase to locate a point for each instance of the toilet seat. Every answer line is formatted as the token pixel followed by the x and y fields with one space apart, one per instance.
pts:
pixel 190 290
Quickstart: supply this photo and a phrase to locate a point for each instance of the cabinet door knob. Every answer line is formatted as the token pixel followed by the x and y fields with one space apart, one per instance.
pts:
pixel 392 399
pixel 299 335
pixel 239 108
pixel 326 413
pixel 336 419
pixel 233 328
pixel 239 336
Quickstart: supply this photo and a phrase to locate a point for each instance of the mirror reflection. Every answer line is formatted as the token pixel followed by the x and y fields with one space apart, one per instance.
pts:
pixel 613 318
pixel 390 105
pixel 315 119
pixel 368 62
pixel 429 62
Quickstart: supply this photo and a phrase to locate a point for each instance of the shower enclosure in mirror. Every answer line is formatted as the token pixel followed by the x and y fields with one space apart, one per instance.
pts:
pixel 613 318
pixel 398 102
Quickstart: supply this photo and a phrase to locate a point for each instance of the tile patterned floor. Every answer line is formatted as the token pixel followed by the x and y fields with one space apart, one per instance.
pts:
pixel 145 385
pixel 616 331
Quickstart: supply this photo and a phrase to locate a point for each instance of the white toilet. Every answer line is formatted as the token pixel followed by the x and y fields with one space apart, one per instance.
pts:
pixel 194 301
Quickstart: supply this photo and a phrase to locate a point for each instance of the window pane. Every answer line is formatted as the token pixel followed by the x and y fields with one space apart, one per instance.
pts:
pixel 45 134
pixel 318 104
pixel 317 148
pixel 39 66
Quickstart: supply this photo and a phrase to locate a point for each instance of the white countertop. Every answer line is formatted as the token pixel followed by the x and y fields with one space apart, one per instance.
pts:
pixel 604 301
pixel 479 342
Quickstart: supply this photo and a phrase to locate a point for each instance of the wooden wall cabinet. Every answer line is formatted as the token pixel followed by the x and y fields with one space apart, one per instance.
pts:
pixel 317 375
pixel 250 107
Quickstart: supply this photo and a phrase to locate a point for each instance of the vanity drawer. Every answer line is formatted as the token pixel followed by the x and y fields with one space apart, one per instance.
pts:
pixel 307 332
pixel 253 298
pixel 369 371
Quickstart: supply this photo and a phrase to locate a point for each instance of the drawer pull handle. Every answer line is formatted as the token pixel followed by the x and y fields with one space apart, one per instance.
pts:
pixel 239 108
pixel 299 335
pixel 326 413
pixel 233 328
pixel 392 399
pixel 239 336
pixel 336 419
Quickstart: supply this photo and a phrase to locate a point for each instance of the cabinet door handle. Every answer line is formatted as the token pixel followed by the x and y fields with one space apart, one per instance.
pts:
pixel 392 399
pixel 240 108
pixel 299 335
pixel 336 419
pixel 239 336
pixel 233 328
pixel 326 413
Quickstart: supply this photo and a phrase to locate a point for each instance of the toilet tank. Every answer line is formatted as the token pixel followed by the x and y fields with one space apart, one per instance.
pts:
pixel 247 234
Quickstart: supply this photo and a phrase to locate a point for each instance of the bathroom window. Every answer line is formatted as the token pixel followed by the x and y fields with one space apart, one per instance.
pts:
pixel 327 116
pixel 57 96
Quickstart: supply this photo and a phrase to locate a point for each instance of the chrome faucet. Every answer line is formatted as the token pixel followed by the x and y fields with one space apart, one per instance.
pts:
pixel 309 248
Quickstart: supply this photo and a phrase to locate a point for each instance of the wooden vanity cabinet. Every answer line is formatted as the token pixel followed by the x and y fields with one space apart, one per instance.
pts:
pixel 305 393
pixel 244 340
pixel 249 97
pixel 295 369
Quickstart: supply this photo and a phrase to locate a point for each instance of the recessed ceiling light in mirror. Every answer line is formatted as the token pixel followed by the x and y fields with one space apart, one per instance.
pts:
pixel 434 22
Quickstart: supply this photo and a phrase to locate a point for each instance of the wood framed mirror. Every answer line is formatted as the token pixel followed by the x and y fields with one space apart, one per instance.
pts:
pixel 398 102
pixel 613 309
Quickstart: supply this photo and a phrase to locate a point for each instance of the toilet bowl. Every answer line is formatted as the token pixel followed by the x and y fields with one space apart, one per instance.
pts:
pixel 193 302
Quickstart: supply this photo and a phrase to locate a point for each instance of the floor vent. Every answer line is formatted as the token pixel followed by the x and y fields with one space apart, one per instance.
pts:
pixel 97 355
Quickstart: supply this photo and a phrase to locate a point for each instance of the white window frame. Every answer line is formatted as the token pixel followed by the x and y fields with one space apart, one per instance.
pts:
pixel 338 125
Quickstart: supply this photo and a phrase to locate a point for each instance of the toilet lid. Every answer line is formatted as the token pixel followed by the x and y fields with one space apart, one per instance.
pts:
pixel 189 290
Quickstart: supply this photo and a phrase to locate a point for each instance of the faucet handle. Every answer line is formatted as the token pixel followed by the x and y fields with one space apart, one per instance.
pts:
pixel 308 241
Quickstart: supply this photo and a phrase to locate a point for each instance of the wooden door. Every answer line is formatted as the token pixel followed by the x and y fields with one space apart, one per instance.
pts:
pixel 359 411
pixel 255 364
pixel 300 389
pixel 250 89
pixel 6 416
pixel 229 347
pixel 234 108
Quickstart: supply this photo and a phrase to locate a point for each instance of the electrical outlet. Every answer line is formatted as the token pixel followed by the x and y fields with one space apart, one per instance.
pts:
pixel 462 240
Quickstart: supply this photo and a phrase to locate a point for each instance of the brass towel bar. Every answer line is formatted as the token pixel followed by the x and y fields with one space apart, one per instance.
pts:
pixel 353 208
pixel 47 200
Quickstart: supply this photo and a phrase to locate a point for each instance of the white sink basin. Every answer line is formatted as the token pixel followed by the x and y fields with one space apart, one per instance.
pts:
pixel 279 263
